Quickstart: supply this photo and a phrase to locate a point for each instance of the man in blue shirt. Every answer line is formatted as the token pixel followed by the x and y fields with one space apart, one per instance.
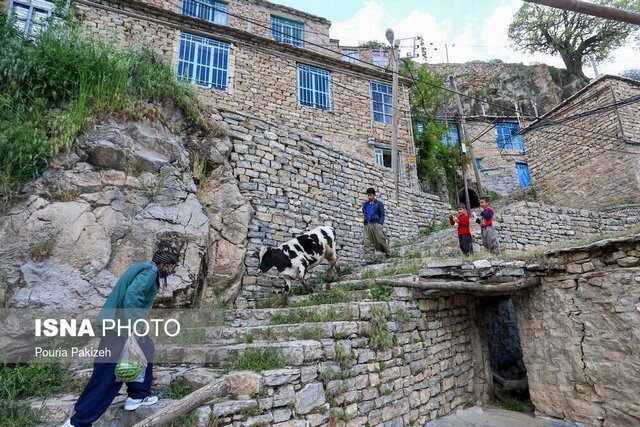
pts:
pixel 374 235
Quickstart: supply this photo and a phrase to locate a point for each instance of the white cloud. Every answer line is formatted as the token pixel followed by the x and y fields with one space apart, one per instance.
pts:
pixel 479 40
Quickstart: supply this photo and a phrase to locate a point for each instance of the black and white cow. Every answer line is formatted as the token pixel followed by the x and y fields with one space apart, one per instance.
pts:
pixel 294 258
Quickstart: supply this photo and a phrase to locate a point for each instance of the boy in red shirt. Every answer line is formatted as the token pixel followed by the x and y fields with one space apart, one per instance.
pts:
pixel 464 232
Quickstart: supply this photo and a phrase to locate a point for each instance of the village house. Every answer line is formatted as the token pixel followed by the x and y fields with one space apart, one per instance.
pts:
pixel 585 152
pixel 258 58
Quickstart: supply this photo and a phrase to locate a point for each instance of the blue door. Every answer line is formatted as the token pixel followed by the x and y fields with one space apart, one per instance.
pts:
pixel 523 174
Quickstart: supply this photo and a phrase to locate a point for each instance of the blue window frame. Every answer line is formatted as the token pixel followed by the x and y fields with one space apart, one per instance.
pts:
pixel 479 163
pixel 209 10
pixel 523 174
pixel 419 128
pixel 450 136
pixel 204 61
pixel 314 88
pixel 381 102
pixel 287 31
pixel 31 16
pixel 507 136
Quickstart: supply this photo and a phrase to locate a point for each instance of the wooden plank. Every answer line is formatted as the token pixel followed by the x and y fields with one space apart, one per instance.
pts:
pixel 464 286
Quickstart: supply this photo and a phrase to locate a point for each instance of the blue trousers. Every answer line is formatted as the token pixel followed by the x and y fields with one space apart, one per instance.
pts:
pixel 103 387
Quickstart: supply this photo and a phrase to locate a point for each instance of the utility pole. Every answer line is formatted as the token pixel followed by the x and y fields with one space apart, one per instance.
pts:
pixel 594 65
pixel 463 136
pixel 592 9
pixel 446 50
pixel 461 153
pixel 394 118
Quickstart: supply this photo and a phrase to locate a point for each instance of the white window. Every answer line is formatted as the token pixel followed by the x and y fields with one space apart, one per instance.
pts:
pixel 382 157
pixel 351 55
pixel 31 16
pixel 209 10
pixel 380 58
pixel 205 61
pixel 381 102
pixel 314 87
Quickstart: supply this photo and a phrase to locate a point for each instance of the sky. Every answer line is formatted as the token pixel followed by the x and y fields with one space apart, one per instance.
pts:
pixel 470 29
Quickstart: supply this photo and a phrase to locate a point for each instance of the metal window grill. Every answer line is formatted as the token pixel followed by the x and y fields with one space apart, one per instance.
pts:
pixel 31 16
pixel 382 102
pixel 212 11
pixel 204 61
pixel 287 31
pixel 313 87
pixel 507 137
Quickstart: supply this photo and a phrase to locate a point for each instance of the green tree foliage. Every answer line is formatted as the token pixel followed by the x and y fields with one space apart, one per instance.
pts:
pixel 631 74
pixel 573 36
pixel 371 44
pixel 427 100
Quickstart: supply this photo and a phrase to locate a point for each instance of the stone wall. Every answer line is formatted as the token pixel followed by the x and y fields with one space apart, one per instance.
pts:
pixel 583 163
pixel 525 225
pixel 498 173
pixel 297 181
pixel 579 335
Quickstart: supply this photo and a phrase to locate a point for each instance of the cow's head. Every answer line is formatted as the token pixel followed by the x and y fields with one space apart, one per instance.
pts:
pixel 273 257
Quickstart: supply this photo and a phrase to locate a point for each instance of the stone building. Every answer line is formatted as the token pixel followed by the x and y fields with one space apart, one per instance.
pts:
pixel 585 153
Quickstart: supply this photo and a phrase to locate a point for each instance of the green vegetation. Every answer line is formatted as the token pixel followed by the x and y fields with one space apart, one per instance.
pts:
pixel 371 44
pixel 512 404
pixel 302 316
pixel 381 292
pixel 435 227
pixel 436 163
pixel 313 333
pixel 257 359
pixel 23 381
pixel 332 296
pixel 380 337
pixel 189 420
pixel 56 86
pixel 177 390
pixel 42 250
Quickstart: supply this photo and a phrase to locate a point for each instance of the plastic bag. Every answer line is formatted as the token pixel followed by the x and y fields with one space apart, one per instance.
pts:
pixel 132 364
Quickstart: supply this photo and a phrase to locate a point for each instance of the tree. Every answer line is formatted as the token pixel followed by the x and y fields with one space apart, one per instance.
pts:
pixel 573 36
pixel 427 100
pixel 633 74
pixel 371 44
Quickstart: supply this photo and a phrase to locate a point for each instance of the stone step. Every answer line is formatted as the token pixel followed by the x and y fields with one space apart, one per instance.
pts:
pixel 292 353
pixel 314 314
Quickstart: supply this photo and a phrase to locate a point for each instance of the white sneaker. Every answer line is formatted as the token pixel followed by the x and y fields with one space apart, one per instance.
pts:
pixel 133 404
pixel 67 423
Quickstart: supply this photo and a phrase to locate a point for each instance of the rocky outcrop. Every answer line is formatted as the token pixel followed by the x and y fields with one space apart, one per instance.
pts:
pixel 124 187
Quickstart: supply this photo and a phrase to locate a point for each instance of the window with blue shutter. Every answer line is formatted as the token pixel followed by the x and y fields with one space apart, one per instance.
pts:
pixel 450 136
pixel 31 16
pixel 204 61
pixel 287 31
pixel 381 102
pixel 209 10
pixel 313 87
pixel 507 136
pixel 479 163
pixel 523 174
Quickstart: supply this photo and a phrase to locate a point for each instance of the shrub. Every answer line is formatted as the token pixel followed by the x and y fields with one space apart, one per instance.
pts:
pixel 258 359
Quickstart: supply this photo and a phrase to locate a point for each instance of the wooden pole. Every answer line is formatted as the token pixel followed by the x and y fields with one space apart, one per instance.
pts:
pixel 592 9
pixel 188 403
pixel 462 286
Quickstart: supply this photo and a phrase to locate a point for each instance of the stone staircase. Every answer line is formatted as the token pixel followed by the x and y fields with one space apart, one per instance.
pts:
pixel 336 366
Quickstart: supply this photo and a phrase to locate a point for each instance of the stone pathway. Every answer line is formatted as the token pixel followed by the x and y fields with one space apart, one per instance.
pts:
pixel 492 416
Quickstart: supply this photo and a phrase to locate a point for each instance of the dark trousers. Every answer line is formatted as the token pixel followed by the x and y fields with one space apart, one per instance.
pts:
pixel 466 243
pixel 103 387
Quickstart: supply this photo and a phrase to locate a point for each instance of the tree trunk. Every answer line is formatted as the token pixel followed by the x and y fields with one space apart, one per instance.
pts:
pixel 186 404
pixel 573 64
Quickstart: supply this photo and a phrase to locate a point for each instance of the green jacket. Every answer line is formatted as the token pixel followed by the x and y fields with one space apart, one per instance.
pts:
pixel 136 289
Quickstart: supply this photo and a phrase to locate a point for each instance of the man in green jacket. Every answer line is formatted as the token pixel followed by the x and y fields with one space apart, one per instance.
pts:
pixel 133 295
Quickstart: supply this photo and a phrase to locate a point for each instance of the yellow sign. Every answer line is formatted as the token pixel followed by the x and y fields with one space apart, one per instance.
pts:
pixel 411 160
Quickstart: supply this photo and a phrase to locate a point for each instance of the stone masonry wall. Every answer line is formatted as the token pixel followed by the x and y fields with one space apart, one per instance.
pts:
pixel 263 83
pixel 296 182
pixel 498 173
pixel 584 164
pixel 525 225
pixel 579 335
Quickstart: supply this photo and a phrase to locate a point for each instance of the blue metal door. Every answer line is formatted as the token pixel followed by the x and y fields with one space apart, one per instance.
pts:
pixel 523 174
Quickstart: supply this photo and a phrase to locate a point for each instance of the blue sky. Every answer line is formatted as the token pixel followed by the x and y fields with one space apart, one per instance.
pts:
pixel 471 29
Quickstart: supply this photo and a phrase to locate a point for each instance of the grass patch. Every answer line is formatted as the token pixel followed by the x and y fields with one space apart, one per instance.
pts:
pixel 23 381
pixel 258 359
pixel 55 87
pixel 323 297
pixel 512 404
pixel 189 420
pixel 435 227
pixel 313 333
pixel 177 390
pixel 369 274
pixel 380 337
pixel 302 316
pixel 42 250
pixel 399 269
pixel 381 292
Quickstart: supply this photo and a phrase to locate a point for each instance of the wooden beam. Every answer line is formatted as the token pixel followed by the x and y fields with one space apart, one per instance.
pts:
pixel 188 403
pixel 592 9
pixel 463 286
